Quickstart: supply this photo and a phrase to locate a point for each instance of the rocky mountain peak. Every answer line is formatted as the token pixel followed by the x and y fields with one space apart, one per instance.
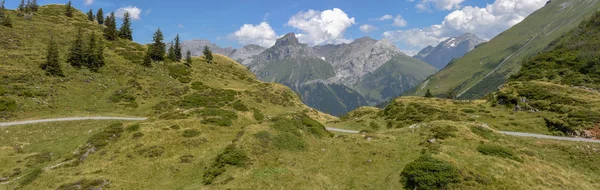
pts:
pixel 289 39
pixel 454 47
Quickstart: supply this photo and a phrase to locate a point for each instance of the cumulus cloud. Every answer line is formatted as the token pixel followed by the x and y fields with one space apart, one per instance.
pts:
pixel 367 28
pixel 385 17
pixel 261 34
pixel 399 21
pixel 88 2
pixel 319 27
pixel 424 5
pixel 486 22
pixel 134 12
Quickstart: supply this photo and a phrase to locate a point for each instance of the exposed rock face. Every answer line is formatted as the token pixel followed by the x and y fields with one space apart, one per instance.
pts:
pixel 197 46
pixel 244 55
pixel 449 49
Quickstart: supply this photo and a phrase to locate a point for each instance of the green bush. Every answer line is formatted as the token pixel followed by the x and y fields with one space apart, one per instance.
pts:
pixel 218 121
pixel 288 141
pixel 300 123
pixel 239 106
pixel 175 127
pixel 188 133
pixel 218 117
pixel 444 132
pixel 498 151
pixel 467 110
pixel 186 158
pixel 133 128
pixel 258 116
pixel 374 125
pixel 38 159
pixel 483 132
pixel 180 72
pixel 101 139
pixel 31 176
pixel 7 105
pixel 230 156
pixel 137 135
pixel 211 98
pixel 199 86
pixel 152 151
pixel 429 173
pixel 399 114
pixel 84 184
pixel 123 96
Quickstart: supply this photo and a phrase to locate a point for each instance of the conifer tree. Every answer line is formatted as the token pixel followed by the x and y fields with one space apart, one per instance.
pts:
pixel 2 11
pixel 100 16
pixel 428 94
pixel 95 56
pixel 99 54
pixel 34 6
pixel 188 58
pixel 69 11
pixel 28 7
pixel 177 49
pixel 110 32
pixel 52 65
pixel 171 53
pixel 21 7
pixel 148 58
pixel 7 22
pixel 207 54
pixel 125 30
pixel 90 15
pixel 77 54
pixel 157 49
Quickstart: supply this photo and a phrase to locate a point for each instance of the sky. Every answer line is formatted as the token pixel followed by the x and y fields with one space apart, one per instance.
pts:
pixel 410 24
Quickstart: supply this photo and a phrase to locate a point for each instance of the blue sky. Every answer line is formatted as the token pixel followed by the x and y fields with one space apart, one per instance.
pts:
pixel 419 22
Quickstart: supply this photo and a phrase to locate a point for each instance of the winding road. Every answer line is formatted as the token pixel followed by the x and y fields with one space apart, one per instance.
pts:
pixel 517 134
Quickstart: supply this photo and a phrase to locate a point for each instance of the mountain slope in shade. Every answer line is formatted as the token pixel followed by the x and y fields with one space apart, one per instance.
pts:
pixel 488 66
pixel 449 49
pixel 244 54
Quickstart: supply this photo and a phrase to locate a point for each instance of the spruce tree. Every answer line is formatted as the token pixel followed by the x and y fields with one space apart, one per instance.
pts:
pixel 52 65
pixel 2 11
pixel 171 53
pixel 21 7
pixel 125 30
pixel 207 54
pixel 100 16
pixel 177 48
pixel 148 58
pixel 69 11
pixel 188 58
pixel 77 54
pixel 95 56
pixel 34 6
pixel 90 15
pixel 99 54
pixel 28 7
pixel 110 32
pixel 157 49
pixel 428 94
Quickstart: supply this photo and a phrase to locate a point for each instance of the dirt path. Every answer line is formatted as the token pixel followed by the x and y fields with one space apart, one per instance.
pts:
pixel 6 124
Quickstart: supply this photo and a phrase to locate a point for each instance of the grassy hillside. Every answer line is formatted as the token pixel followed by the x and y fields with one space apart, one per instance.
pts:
pixel 488 66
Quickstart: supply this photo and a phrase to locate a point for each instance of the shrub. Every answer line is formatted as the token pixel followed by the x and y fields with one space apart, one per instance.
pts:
pixel 239 106
pixel 258 116
pixel 483 132
pixel 175 127
pixel 467 110
pixel 188 133
pixel 137 135
pixel 133 128
pixel 429 173
pixel 186 158
pixel 31 176
pixel 102 138
pixel 85 184
pixel 7 105
pixel 300 123
pixel 162 107
pixel 217 121
pixel 199 86
pixel 374 125
pixel 38 159
pixel 211 98
pixel 444 132
pixel 180 72
pixel 230 156
pixel 151 152
pixel 123 96
pixel 288 141
pixel 498 151
pixel 314 127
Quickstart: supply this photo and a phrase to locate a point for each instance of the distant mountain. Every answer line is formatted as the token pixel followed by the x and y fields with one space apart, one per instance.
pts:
pixel 488 66
pixel 197 46
pixel 244 54
pixel 339 78
pixel 449 49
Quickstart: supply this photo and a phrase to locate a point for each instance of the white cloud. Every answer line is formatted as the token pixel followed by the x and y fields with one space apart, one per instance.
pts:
pixel 322 27
pixel 180 26
pixel 385 17
pixel 367 28
pixel 399 21
pixel 134 12
pixel 261 34
pixel 88 2
pixel 424 5
pixel 486 22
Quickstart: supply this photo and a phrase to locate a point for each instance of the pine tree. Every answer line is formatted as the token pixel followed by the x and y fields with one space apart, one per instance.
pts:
pixel 77 54
pixel 28 7
pixel 171 53
pixel 148 58
pixel 2 11
pixel 95 56
pixel 428 94
pixel 207 54
pixel 451 94
pixel 157 49
pixel 21 6
pixel 52 65
pixel 90 15
pixel 34 6
pixel 110 32
pixel 69 11
pixel 177 48
pixel 99 54
pixel 188 58
pixel 125 30
pixel 100 16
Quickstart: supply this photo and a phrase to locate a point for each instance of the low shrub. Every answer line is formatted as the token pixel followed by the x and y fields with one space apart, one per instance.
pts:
pixel 230 156
pixel 467 110
pixel 133 128
pixel 483 132
pixel 137 135
pixel 31 176
pixel 217 121
pixel 7 105
pixel 38 159
pixel 210 98
pixel 186 158
pixel 239 106
pixel 498 151
pixel 152 151
pixel 85 184
pixel 101 139
pixel 429 173
pixel 124 97
pixel 374 125
pixel 288 141
pixel 188 133
pixel 258 116
pixel 444 132
pixel 175 127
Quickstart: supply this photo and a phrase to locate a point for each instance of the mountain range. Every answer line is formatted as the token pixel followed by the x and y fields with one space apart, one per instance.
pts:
pixel 334 79
pixel 449 49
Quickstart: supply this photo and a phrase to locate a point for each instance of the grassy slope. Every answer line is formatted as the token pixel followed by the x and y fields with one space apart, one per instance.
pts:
pixel 475 74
